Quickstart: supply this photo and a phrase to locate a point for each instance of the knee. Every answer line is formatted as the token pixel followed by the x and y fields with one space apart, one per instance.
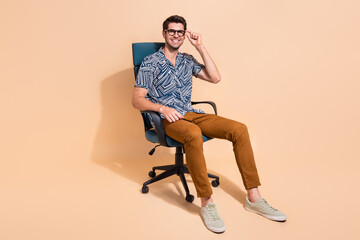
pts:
pixel 239 130
pixel 194 135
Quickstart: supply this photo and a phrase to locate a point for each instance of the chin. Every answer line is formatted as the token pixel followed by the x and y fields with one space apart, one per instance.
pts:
pixel 175 47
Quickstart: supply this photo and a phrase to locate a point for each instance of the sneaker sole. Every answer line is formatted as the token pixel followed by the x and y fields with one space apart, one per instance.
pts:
pixel 274 218
pixel 216 230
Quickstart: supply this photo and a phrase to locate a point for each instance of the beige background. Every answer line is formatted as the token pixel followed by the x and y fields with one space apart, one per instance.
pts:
pixel 73 152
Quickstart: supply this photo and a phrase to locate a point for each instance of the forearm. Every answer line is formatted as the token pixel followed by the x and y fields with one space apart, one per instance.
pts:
pixel 144 104
pixel 210 67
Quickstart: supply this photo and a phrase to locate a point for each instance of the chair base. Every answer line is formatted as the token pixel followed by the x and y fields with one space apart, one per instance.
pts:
pixel 179 168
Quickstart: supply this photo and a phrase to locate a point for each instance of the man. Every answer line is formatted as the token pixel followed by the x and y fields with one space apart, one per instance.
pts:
pixel 164 85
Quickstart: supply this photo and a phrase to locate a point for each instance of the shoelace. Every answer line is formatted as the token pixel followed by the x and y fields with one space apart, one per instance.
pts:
pixel 268 206
pixel 213 213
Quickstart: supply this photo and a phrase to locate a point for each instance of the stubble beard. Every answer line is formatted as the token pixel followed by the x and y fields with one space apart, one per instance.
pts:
pixel 171 47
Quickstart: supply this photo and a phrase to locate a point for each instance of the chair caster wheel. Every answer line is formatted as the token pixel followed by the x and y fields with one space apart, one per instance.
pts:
pixel 152 174
pixel 215 183
pixel 189 198
pixel 145 189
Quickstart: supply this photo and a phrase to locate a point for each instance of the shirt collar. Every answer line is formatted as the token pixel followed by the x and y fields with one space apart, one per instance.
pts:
pixel 179 56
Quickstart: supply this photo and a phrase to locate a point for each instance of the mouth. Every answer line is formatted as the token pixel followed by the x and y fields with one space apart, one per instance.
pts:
pixel 176 40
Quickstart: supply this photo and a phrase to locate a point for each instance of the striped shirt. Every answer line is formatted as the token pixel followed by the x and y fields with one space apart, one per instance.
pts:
pixel 167 84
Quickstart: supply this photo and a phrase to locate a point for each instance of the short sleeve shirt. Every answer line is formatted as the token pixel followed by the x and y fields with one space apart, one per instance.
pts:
pixel 167 84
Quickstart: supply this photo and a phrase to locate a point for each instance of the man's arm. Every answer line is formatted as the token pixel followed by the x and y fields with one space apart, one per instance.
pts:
pixel 210 73
pixel 140 102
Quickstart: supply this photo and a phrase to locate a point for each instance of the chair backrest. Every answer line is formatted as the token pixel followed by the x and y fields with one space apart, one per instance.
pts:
pixel 140 51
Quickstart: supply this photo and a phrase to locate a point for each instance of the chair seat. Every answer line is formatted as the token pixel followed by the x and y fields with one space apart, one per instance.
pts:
pixel 152 137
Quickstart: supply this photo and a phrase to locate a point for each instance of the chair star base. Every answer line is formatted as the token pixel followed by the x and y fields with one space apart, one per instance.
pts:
pixel 179 168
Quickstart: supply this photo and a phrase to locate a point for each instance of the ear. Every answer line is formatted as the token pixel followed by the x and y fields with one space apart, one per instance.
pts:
pixel 163 33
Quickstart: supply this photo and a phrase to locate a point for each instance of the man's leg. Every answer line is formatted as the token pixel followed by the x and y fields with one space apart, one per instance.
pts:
pixel 190 135
pixel 219 127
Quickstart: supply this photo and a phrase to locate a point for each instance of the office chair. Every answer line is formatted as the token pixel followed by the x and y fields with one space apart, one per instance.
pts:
pixel 155 133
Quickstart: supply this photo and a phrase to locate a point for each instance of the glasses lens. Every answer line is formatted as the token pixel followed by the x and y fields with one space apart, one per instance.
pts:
pixel 171 32
pixel 181 33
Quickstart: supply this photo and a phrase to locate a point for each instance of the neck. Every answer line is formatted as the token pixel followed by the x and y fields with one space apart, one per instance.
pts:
pixel 170 53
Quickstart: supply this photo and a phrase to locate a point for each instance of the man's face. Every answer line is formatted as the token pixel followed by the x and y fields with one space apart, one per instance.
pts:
pixel 174 41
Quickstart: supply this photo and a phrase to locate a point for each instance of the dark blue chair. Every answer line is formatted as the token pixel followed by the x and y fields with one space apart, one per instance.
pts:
pixel 154 130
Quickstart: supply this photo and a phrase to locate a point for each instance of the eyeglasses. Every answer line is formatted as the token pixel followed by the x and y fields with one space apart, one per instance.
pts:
pixel 172 32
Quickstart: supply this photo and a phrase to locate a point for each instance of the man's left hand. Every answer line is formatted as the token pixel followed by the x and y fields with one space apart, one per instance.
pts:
pixel 194 38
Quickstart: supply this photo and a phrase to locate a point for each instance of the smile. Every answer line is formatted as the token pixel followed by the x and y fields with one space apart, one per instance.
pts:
pixel 175 40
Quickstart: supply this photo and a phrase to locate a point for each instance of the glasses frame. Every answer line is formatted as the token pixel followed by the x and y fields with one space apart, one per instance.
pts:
pixel 175 32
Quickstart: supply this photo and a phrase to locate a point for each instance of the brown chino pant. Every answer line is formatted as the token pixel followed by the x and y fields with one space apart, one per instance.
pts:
pixel 189 131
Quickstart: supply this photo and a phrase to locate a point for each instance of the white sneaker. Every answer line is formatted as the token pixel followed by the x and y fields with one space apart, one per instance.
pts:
pixel 262 207
pixel 212 218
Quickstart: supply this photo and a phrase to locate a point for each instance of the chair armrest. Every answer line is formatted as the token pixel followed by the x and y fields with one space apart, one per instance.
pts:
pixel 207 102
pixel 156 121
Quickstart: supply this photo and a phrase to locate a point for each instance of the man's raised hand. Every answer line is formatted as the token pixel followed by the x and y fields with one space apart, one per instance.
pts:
pixel 194 38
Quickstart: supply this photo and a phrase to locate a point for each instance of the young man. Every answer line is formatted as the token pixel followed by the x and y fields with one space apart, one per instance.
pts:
pixel 164 85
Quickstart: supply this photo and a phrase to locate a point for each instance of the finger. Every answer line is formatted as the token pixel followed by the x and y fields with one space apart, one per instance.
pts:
pixel 195 36
pixel 179 115
pixel 175 117
pixel 172 118
pixel 191 34
pixel 167 118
